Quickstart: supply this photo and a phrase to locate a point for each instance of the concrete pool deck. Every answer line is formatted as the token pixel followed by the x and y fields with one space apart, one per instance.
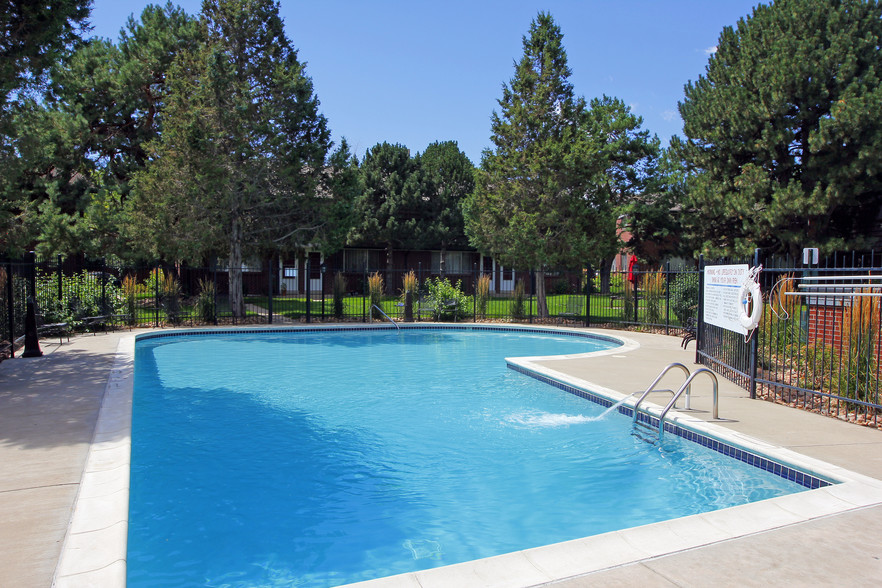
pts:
pixel 49 410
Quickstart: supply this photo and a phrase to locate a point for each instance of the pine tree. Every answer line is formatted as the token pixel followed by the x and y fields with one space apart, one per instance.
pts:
pixel 240 168
pixel 533 205
pixel 784 141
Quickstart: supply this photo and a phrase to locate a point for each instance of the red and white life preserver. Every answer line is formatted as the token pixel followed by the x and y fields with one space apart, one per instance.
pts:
pixel 750 292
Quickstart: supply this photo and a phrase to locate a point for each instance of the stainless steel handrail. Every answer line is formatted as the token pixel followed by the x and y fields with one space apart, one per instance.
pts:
pixel 668 368
pixel 380 310
pixel 661 417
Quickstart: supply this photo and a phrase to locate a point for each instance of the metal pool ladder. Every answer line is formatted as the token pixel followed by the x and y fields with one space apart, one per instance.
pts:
pixel 380 310
pixel 686 387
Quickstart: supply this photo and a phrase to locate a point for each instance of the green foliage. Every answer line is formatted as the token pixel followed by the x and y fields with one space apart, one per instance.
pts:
pixel 390 207
pixel 240 167
pixel 447 300
pixel 482 292
pixel 375 292
pixel 628 301
pixel 130 290
pixel 205 302
pixel 783 134
pixel 653 286
pixel 339 293
pixel 517 307
pixel 81 296
pixel 684 296
pixel 450 178
pixel 170 298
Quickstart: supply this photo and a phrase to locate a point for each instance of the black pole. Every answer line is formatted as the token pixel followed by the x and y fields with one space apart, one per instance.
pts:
pixel 32 340
pixel 308 301
pixel 156 276
pixel 10 307
pixel 532 289
pixel 103 287
pixel 588 285
pixel 269 283
pixel 699 337
pixel 323 291
pixel 59 274
pixel 363 294
pixel 754 347
pixel 667 298
pixel 214 277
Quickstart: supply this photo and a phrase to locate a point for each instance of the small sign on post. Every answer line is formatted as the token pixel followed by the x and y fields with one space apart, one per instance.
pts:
pixel 810 256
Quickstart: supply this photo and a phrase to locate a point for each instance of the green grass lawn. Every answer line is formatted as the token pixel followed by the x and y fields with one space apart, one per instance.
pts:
pixel 603 308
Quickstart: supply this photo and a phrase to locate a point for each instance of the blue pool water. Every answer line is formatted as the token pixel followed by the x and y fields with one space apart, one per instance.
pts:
pixel 318 459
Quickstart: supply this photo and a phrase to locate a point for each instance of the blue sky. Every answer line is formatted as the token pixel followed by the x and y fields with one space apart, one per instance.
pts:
pixel 414 72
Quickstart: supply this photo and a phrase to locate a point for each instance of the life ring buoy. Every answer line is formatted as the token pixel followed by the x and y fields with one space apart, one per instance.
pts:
pixel 750 292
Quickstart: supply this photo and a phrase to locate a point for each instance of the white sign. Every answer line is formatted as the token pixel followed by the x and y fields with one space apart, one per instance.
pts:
pixel 721 286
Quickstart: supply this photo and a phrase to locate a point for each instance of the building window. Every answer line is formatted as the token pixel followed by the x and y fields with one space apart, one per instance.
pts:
pixel 455 262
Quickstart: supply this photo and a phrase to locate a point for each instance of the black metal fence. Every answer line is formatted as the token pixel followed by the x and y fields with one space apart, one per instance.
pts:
pixel 817 346
pixel 88 295
pixel 817 349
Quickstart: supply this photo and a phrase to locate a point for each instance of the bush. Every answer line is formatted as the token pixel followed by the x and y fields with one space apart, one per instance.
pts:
pixel 375 289
pixel 517 307
pixel 653 285
pixel 483 295
pixel 82 295
pixel 130 291
pixel 339 293
pixel 684 296
pixel 448 302
pixel 205 307
pixel 170 298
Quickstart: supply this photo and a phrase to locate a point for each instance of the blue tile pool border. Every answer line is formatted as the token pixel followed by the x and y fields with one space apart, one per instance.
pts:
pixel 753 459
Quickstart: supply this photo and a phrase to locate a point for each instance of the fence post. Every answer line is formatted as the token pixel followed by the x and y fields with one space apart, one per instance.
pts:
pixel 667 298
pixel 754 346
pixel 475 292
pixel 588 286
pixel 10 306
pixel 59 273
pixel 103 286
pixel 532 290
pixel 699 320
pixel 269 283
pixel 364 287
pixel 324 267
pixel 156 296
pixel 214 277
pixel 308 297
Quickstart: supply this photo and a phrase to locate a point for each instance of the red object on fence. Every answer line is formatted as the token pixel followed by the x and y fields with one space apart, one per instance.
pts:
pixel 632 265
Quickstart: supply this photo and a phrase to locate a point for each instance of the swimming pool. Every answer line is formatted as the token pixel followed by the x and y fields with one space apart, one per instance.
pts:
pixel 552 421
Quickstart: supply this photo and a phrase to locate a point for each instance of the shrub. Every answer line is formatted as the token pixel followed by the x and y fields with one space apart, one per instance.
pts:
pixel 82 295
pixel 130 290
pixel 482 292
pixel 627 301
pixel 653 285
pixel 410 283
pixel 448 302
pixel 339 292
pixel 205 302
pixel 375 289
pixel 170 298
pixel 517 307
pixel 684 296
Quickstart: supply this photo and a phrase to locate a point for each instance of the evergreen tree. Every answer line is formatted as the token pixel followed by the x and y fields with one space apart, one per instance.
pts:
pixel 390 210
pixel 35 36
pixel 533 205
pixel 243 166
pixel 783 134
pixel 451 178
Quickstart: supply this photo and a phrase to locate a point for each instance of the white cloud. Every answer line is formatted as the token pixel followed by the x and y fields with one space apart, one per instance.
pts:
pixel 710 50
pixel 669 115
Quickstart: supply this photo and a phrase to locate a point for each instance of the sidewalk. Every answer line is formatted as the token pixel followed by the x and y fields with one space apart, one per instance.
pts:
pixel 49 408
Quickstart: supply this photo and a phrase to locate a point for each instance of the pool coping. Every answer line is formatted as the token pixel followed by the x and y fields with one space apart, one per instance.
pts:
pixel 94 551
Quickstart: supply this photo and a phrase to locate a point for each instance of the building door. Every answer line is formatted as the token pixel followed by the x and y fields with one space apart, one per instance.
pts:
pixel 315 272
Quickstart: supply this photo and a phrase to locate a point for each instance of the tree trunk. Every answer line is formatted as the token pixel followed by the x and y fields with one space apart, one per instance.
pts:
pixel 541 301
pixel 237 299
pixel 605 265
